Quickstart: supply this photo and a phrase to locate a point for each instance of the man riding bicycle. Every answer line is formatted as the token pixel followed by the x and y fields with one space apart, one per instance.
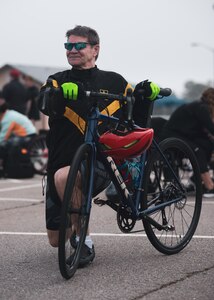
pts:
pixel 61 99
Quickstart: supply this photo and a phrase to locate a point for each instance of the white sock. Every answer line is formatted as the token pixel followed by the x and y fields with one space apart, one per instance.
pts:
pixel 88 241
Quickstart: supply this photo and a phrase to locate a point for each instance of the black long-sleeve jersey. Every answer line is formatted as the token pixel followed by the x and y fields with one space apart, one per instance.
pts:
pixel 67 131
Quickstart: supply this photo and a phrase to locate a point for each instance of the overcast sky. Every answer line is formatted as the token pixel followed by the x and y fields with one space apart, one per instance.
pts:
pixel 140 39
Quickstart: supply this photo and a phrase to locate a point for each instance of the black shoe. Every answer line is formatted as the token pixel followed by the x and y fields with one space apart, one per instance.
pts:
pixel 86 257
pixel 208 193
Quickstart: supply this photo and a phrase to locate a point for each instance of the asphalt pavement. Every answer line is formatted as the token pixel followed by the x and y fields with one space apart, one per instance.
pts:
pixel 125 267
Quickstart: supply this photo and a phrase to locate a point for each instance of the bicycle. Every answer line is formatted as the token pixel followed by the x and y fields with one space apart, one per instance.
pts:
pixel 160 199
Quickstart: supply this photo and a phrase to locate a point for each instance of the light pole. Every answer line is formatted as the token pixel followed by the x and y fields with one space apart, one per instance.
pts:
pixel 209 49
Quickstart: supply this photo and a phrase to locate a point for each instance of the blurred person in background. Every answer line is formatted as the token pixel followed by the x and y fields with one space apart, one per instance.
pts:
pixel 32 95
pixel 194 123
pixel 14 126
pixel 15 93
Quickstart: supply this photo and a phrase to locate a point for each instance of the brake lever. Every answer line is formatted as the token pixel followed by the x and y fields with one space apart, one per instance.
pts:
pixel 45 98
pixel 130 102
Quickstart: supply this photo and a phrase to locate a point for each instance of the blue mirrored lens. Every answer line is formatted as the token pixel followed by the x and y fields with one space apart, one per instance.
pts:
pixel 77 46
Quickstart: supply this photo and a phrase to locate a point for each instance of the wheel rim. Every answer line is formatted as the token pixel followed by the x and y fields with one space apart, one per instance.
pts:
pixel 180 219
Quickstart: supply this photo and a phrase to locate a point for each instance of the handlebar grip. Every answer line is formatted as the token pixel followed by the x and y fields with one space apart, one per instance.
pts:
pixel 130 102
pixel 165 92
pixel 45 99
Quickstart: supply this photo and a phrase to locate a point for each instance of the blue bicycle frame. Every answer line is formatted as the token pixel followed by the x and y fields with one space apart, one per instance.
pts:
pixel 91 138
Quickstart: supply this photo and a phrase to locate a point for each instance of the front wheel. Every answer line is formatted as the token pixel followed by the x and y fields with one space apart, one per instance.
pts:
pixel 75 211
pixel 179 219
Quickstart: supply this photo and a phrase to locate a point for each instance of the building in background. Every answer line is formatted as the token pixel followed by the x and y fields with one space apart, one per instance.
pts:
pixel 39 76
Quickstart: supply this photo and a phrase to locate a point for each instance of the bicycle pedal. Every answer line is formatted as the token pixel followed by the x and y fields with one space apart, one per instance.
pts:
pixel 100 202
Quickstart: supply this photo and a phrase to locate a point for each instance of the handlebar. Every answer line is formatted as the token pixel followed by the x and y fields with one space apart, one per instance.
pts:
pixel 109 96
pixel 164 92
pixel 128 100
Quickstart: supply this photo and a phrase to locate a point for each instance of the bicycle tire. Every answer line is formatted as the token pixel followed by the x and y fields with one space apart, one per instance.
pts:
pixel 38 153
pixel 74 214
pixel 182 217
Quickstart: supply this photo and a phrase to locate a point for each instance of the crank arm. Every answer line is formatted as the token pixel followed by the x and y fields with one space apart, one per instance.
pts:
pixel 101 202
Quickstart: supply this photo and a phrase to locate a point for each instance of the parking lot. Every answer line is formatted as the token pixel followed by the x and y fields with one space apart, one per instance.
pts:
pixel 126 265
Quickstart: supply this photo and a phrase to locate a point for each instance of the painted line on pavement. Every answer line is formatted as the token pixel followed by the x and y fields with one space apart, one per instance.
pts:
pixel 21 187
pixel 21 200
pixel 100 234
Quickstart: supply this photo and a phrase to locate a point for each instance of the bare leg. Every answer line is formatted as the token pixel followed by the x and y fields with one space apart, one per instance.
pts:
pixel 60 179
pixel 53 235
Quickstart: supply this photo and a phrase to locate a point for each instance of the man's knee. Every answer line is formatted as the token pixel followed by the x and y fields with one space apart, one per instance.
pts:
pixel 60 178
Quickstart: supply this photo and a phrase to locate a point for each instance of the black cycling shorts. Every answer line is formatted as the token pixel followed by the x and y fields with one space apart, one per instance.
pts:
pixel 53 202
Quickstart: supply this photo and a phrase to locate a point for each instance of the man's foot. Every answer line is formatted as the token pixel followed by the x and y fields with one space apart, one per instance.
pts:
pixel 86 257
pixel 208 193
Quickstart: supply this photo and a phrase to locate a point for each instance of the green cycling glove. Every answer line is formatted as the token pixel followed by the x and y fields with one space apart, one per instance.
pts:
pixel 155 90
pixel 70 90
pixel 147 89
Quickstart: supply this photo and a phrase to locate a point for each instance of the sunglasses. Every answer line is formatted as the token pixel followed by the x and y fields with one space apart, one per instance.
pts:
pixel 77 46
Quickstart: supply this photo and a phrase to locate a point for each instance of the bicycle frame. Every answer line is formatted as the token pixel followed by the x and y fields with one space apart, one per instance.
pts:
pixel 91 137
pixel 160 199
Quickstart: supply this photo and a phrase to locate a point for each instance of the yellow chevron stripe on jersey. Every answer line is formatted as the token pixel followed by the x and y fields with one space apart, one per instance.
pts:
pixel 81 124
pixel 75 119
pixel 115 105
pixel 111 108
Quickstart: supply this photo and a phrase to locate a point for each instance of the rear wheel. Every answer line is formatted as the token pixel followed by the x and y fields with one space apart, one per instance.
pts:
pixel 38 153
pixel 179 219
pixel 75 211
